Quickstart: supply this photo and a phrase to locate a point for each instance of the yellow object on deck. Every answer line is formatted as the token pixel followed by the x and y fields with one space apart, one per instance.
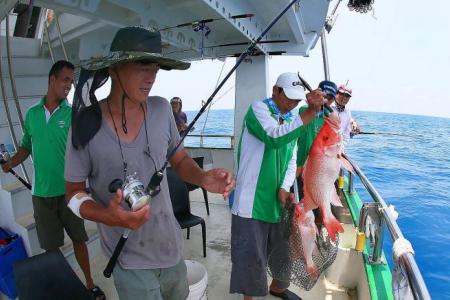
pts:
pixel 341 182
pixel 360 241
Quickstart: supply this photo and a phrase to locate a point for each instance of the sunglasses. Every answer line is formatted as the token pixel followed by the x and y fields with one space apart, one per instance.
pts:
pixel 345 94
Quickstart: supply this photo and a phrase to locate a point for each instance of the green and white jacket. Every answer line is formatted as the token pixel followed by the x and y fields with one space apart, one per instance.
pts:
pixel 266 159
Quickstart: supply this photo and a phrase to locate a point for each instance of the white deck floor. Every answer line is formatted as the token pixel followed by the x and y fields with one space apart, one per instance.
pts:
pixel 218 261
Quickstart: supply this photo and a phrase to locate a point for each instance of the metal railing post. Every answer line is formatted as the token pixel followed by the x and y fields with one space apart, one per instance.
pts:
pixel 8 117
pixel 350 183
pixel 49 43
pixel 11 75
pixel 61 41
pixel 376 228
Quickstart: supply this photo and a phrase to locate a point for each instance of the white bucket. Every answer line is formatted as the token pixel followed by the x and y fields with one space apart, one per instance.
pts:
pixel 197 279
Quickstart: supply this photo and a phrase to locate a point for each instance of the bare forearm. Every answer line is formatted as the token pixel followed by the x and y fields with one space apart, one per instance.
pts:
pixel 20 156
pixel 93 211
pixel 308 115
pixel 187 168
pixel 89 210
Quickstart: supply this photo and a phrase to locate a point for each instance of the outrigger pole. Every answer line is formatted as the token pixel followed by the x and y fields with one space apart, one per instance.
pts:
pixel 157 177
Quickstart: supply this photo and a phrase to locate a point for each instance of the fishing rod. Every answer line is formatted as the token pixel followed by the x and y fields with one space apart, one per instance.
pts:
pixel 383 133
pixel 157 177
pixel 204 21
pixel 4 158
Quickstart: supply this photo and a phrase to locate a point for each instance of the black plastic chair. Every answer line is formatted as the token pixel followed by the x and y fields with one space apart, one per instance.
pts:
pixel 48 276
pixel 179 196
pixel 191 187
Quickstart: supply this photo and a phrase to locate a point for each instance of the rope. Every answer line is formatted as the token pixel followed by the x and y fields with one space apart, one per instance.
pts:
pixel 401 246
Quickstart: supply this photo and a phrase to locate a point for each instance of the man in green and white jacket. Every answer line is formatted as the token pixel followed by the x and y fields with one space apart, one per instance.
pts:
pixel 267 155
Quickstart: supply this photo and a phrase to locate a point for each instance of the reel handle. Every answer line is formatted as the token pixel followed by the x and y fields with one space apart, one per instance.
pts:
pixel 115 185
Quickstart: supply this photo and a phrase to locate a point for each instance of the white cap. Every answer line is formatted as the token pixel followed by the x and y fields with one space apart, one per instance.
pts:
pixel 292 86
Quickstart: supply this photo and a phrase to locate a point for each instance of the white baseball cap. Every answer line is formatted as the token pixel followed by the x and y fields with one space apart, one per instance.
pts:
pixel 292 86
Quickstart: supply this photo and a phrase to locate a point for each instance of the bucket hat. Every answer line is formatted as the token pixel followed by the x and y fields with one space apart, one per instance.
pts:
pixel 134 44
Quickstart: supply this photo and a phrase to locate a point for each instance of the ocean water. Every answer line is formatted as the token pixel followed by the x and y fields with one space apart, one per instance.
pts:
pixel 408 162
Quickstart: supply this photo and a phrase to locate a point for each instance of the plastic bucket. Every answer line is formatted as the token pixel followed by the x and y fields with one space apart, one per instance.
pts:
pixel 197 277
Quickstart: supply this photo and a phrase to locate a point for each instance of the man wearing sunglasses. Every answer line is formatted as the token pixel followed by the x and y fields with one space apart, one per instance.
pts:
pixel 349 127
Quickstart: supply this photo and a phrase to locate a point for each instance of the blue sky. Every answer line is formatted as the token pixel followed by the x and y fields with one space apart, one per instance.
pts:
pixel 396 58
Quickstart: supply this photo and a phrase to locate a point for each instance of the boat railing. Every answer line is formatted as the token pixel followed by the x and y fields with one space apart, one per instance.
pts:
pixel 203 137
pixel 380 213
pixel 52 16
pixel 12 81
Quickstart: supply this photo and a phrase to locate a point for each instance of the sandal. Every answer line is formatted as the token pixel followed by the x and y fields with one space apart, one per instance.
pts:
pixel 97 293
pixel 285 295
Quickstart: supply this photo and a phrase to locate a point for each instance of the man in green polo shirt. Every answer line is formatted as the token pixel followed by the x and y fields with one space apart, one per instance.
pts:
pixel 46 126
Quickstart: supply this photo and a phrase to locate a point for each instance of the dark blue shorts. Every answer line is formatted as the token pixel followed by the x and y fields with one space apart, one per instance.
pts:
pixel 251 243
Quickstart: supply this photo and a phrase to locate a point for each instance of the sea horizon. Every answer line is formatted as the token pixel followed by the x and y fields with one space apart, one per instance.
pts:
pixel 363 111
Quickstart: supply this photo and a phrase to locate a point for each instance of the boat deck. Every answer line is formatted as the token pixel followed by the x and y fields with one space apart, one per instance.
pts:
pixel 218 261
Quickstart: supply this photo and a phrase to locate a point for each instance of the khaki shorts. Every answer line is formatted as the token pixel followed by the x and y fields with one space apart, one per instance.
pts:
pixel 152 284
pixel 52 216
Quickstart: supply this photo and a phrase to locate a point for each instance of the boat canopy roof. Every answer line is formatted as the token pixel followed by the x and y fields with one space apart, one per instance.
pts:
pixel 91 25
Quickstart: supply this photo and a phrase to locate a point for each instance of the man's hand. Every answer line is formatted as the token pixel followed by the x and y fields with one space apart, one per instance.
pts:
pixel 355 128
pixel 18 158
pixel 316 99
pixel 285 198
pixel 118 216
pixel 218 181
pixel 6 167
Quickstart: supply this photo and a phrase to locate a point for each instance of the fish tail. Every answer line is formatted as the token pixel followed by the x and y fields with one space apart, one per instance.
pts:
pixel 333 226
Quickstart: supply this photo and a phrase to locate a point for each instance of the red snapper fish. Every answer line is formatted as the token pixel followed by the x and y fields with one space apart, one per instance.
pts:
pixel 305 227
pixel 321 170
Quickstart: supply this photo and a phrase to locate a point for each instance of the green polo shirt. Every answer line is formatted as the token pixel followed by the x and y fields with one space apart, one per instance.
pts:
pixel 46 141
pixel 307 136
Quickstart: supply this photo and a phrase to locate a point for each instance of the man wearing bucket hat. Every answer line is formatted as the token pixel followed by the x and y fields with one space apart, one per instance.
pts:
pixel 349 126
pixel 130 133
pixel 309 131
pixel 266 171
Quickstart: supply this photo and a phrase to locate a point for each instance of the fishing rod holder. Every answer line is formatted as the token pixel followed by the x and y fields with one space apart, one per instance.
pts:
pixel 371 223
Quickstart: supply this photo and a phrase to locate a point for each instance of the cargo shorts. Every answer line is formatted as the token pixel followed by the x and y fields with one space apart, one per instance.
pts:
pixel 52 216
pixel 152 284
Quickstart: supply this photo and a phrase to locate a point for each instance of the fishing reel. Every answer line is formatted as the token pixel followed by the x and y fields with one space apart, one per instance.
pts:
pixel 4 154
pixel 134 192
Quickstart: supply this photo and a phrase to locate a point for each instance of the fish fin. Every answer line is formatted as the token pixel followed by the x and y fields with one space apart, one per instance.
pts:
pixel 333 226
pixel 336 201
pixel 346 164
pixel 307 204
pixel 312 270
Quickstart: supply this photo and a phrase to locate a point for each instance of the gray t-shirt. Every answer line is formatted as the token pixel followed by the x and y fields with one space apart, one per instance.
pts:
pixel 158 243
